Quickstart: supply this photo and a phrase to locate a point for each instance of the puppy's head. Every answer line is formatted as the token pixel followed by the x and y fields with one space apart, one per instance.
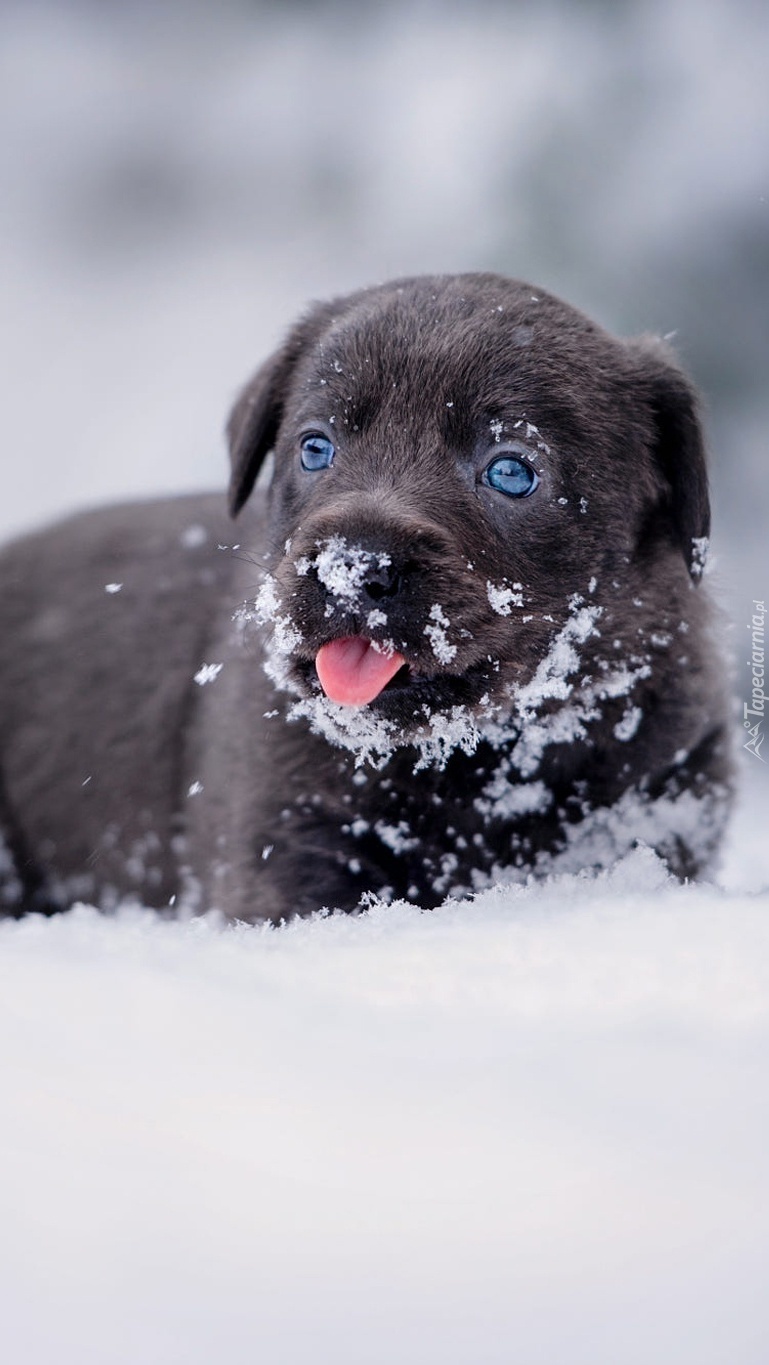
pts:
pixel 462 465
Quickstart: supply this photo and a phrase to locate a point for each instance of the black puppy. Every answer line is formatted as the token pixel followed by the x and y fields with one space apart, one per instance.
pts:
pixel 488 654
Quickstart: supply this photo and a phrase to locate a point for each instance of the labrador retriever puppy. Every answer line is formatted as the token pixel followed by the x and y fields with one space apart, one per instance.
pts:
pixel 459 638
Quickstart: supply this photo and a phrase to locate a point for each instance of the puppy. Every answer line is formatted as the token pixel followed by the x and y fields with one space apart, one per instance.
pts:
pixel 461 638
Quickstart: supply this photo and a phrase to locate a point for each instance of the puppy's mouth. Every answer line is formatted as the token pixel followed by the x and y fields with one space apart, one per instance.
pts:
pixel 360 674
pixel 353 671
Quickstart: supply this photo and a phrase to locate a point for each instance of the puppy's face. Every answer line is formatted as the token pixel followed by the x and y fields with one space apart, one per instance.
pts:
pixel 462 464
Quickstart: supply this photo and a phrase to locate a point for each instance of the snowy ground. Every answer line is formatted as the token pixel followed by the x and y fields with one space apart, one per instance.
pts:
pixel 528 1128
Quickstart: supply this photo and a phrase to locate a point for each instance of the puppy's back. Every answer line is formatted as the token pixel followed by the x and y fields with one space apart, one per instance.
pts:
pixel 104 620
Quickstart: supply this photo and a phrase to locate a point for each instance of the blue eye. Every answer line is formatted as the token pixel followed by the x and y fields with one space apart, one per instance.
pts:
pixel 512 476
pixel 317 452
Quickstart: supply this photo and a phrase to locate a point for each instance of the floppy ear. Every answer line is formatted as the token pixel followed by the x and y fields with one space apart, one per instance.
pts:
pixel 680 450
pixel 256 417
pixel 253 426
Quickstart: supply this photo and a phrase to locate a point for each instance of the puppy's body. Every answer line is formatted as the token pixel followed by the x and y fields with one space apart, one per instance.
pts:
pixel 485 520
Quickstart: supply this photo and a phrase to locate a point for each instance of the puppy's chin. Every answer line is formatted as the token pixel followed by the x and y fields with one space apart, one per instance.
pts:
pixel 433 715
pixel 413 695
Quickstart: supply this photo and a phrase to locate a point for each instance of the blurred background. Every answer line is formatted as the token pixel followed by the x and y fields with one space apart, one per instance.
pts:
pixel 177 179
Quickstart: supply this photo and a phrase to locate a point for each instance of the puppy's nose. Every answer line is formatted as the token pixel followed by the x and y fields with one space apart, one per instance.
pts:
pixel 349 573
pixel 381 580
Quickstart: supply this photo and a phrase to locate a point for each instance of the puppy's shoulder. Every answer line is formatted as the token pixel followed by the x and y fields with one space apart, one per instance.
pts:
pixel 116 589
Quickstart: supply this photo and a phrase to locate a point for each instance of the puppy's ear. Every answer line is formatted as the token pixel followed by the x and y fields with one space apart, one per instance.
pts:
pixel 253 424
pixel 680 448
pixel 258 412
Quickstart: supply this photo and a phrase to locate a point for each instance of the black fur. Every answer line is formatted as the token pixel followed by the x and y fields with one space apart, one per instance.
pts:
pixel 561 699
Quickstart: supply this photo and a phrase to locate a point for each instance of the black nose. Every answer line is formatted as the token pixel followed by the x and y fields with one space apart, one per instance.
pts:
pixel 381 580
pixel 350 573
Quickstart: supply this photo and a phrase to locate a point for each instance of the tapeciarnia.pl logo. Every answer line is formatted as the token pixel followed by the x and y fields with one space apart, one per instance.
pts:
pixel 753 711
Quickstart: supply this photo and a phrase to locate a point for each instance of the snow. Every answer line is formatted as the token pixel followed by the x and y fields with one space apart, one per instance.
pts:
pixel 699 556
pixel 627 726
pixel 370 737
pixel 284 636
pixel 208 673
pixel 551 680
pixel 436 632
pixel 502 598
pixel 527 1127
pixel 396 837
pixel 342 568
pixel 194 536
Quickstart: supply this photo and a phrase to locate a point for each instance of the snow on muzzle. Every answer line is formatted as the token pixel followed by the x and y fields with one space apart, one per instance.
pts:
pixel 353 671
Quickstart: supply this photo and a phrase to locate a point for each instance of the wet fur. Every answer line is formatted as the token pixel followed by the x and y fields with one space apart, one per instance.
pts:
pixel 123 776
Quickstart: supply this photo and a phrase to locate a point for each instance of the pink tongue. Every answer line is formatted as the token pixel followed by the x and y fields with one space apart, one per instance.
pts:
pixel 352 672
